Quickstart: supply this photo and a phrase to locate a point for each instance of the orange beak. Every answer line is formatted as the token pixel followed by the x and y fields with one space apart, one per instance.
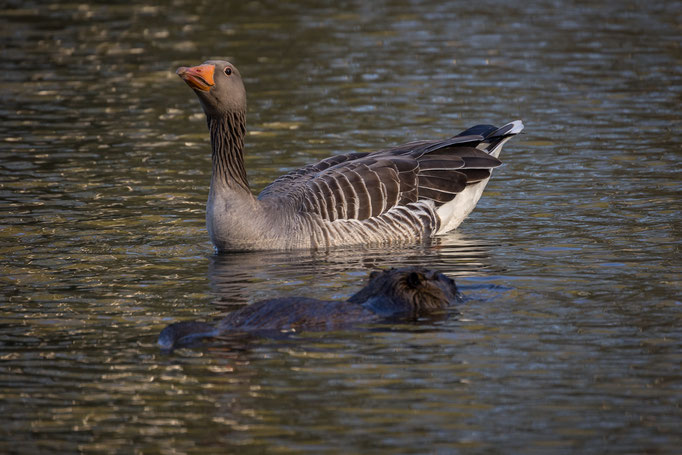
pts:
pixel 198 77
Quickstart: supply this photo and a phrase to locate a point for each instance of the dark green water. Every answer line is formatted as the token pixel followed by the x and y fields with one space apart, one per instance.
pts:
pixel 570 338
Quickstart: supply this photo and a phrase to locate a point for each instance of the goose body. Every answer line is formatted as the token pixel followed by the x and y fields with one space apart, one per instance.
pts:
pixel 410 192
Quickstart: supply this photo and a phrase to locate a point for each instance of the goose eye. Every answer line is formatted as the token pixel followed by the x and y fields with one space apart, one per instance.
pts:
pixel 228 71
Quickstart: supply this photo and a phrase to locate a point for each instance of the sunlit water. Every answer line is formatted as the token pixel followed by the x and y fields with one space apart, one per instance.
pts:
pixel 569 338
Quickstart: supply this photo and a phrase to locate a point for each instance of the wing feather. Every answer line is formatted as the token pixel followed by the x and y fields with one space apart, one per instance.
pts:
pixel 363 198
pixel 363 186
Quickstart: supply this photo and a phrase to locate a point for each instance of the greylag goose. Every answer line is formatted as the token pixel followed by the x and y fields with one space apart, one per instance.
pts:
pixel 405 193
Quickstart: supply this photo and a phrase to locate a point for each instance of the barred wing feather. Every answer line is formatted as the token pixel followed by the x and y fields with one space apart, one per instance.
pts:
pixel 361 186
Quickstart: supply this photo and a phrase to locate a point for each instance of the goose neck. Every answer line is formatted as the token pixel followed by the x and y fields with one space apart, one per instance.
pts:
pixel 227 144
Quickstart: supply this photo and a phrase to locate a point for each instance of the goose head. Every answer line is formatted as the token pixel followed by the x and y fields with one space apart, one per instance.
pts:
pixel 218 85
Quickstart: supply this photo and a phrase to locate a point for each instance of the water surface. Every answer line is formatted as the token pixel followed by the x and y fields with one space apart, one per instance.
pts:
pixel 569 338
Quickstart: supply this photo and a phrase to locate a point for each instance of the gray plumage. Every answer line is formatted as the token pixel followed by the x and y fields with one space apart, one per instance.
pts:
pixel 409 192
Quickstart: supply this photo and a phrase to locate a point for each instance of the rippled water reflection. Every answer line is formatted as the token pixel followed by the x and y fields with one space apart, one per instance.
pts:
pixel 569 338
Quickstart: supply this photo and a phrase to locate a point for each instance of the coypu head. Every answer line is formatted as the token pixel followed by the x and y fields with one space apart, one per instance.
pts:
pixel 409 292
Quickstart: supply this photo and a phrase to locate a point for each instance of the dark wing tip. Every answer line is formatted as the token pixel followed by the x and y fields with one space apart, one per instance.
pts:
pixel 490 131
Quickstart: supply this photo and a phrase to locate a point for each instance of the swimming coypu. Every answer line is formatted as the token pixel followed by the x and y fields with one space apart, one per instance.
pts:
pixel 402 294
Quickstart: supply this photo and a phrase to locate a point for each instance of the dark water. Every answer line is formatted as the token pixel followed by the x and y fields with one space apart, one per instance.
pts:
pixel 570 337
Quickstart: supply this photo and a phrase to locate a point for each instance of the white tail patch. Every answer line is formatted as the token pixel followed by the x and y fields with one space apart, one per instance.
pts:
pixel 452 213
pixel 517 128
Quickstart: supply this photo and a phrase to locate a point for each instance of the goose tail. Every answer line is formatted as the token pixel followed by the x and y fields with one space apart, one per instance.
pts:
pixel 492 144
pixel 454 212
pixel 493 137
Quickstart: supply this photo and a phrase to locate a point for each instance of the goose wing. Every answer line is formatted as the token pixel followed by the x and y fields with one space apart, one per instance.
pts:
pixel 365 185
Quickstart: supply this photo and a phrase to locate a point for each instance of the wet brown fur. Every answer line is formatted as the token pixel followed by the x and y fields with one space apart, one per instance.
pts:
pixel 406 294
